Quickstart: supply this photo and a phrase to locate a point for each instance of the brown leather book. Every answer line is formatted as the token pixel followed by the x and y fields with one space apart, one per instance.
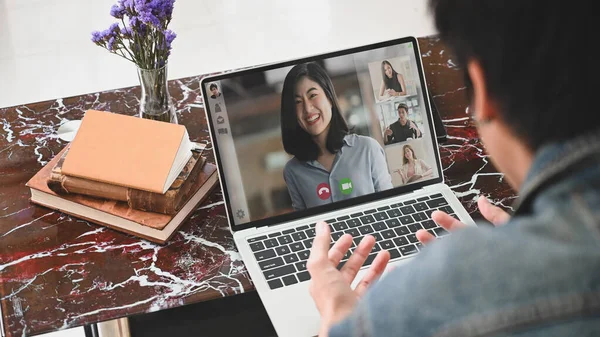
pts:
pixel 128 151
pixel 118 215
pixel 168 203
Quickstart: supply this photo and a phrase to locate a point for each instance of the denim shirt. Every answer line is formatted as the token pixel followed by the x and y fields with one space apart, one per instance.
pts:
pixel 537 275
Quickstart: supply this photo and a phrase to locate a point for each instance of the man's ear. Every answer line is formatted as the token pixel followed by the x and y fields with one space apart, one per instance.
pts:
pixel 485 109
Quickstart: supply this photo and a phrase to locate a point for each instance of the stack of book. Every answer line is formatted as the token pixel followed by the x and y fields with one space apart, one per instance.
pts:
pixel 134 175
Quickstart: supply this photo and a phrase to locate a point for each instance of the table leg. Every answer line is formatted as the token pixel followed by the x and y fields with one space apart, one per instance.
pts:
pixel 91 330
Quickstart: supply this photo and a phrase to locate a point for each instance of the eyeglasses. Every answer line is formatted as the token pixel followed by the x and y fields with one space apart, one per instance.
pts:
pixel 471 112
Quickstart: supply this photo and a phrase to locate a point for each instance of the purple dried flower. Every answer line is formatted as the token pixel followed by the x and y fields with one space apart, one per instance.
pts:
pixel 126 4
pixel 169 37
pixel 140 6
pixel 142 29
pixel 127 32
pixel 146 20
pixel 136 25
pixel 114 28
pixel 133 21
pixel 168 7
pixel 154 12
pixel 163 9
pixel 111 44
pixel 149 18
pixel 117 11
pixel 105 34
pixel 97 37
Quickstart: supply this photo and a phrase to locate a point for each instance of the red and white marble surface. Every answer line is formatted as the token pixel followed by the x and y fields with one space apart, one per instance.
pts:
pixel 58 272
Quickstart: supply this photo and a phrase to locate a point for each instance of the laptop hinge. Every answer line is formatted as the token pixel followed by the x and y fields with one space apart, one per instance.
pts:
pixel 428 188
pixel 432 187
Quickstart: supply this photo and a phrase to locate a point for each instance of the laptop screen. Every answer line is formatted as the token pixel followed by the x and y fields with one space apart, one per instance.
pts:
pixel 323 132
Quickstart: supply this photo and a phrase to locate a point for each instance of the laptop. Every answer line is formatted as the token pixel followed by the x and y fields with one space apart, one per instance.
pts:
pixel 381 174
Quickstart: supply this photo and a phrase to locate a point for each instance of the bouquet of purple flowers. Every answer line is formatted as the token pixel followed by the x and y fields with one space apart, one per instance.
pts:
pixel 142 36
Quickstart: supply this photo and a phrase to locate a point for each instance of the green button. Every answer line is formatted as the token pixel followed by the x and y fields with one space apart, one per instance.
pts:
pixel 346 186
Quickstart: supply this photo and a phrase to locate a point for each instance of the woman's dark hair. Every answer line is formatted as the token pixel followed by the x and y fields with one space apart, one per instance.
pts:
pixel 390 83
pixel 212 85
pixel 404 160
pixel 531 54
pixel 296 141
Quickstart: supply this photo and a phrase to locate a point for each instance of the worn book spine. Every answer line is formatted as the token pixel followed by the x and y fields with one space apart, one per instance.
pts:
pixel 174 198
pixel 168 203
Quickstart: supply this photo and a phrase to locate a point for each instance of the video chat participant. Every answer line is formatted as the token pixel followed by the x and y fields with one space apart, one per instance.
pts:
pixel 329 163
pixel 392 83
pixel 214 89
pixel 413 168
pixel 402 129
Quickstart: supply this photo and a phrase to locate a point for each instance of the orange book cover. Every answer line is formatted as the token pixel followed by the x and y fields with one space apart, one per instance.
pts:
pixel 124 150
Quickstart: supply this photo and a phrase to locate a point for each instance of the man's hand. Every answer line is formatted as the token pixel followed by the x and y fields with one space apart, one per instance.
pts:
pixel 330 287
pixel 414 127
pixel 388 132
pixel 491 213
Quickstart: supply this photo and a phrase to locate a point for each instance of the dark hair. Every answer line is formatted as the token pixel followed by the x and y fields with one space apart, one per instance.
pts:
pixel 402 106
pixel 296 141
pixel 389 82
pixel 531 55
pixel 212 85
pixel 404 160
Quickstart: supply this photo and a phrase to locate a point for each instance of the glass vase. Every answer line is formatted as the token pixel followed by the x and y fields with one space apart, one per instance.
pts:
pixel 155 100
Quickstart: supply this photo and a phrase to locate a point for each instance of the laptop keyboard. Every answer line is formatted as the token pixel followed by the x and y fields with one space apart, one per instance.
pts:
pixel 282 255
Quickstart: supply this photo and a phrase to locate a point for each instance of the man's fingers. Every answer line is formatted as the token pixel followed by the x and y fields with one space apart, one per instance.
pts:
pixel 446 221
pixel 360 254
pixel 339 249
pixel 377 268
pixel 320 249
pixel 491 213
pixel 425 237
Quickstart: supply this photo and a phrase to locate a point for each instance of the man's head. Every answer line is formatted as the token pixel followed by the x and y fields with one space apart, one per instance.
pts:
pixel 402 113
pixel 214 89
pixel 529 79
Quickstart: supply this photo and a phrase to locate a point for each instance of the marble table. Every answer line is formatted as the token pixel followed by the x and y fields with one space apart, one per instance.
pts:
pixel 58 272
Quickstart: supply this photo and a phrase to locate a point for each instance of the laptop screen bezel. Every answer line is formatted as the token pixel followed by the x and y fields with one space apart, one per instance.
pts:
pixel 295 215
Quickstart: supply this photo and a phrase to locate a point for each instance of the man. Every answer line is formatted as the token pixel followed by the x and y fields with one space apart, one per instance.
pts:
pixel 214 90
pixel 538 274
pixel 402 129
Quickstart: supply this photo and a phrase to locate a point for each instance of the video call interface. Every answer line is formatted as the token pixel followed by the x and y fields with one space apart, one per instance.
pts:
pixel 320 132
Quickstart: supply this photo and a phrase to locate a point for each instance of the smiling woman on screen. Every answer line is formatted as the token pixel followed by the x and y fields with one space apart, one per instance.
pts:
pixel 329 164
pixel 413 168
pixel 392 83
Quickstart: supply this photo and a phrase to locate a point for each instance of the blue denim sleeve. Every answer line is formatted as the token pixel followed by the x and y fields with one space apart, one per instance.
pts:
pixel 418 297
